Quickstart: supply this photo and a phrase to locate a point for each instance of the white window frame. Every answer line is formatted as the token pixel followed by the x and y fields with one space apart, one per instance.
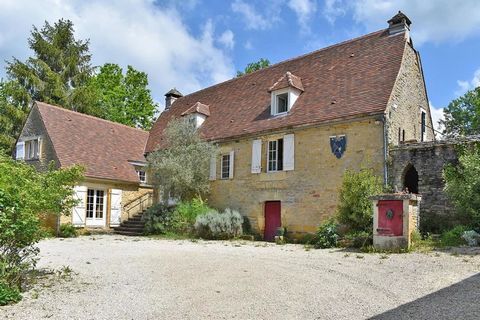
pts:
pixel 423 128
pixel 225 168
pixel 27 148
pixel 276 160
pixel 292 96
pixel 139 174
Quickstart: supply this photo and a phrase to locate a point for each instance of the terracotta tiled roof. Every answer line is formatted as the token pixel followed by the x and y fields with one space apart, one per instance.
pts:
pixel 287 80
pixel 358 75
pixel 102 146
pixel 198 108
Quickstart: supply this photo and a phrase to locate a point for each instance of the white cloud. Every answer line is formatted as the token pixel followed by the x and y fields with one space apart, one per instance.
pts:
pixel 437 115
pixel 304 9
pixel 139 33
pixel 266 18
pixel 334 9
pixel 466 85
pixel 432 20
pixel 227 39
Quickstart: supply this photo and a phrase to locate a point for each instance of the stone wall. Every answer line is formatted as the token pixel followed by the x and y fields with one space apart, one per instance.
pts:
pixel 309 193
pixel 34 128
pixel 407 100
pixel 429 158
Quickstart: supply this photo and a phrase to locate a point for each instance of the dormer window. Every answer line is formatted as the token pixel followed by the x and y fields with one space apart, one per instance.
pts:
pixel 197 114
pixel 285 93
pixel 282 102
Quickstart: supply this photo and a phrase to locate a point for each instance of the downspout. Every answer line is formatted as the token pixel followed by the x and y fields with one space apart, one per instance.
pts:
pixel 385 150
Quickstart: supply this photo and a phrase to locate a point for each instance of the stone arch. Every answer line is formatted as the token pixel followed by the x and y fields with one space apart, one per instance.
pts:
pixel 410 178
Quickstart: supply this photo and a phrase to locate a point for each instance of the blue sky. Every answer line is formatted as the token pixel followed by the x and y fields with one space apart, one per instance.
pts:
pixel 192 44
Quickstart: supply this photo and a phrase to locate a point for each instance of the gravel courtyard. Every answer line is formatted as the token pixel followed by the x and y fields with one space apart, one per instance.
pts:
pixel 117 277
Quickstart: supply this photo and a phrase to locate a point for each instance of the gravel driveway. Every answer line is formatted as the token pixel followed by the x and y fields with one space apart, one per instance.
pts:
pixel 117 277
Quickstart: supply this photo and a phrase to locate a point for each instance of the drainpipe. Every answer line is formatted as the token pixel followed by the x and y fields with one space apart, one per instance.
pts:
pixel 385 150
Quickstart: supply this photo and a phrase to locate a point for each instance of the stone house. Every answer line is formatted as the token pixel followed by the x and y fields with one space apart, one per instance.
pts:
pixel 288 132
pixel 112 154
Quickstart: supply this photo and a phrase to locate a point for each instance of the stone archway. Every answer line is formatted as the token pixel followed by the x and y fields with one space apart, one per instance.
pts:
pixel 410 179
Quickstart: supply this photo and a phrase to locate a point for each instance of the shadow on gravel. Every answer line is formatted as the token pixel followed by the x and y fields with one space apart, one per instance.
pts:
pixel 458 301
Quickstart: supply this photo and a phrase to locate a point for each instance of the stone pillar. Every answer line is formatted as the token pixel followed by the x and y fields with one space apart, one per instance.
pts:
pixel 395 217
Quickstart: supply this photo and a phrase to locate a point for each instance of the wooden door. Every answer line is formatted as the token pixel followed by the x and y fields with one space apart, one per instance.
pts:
pixel 390 217
pixel 272 219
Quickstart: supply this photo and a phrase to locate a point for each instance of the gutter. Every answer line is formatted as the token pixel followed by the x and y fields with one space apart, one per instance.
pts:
pixel 385 150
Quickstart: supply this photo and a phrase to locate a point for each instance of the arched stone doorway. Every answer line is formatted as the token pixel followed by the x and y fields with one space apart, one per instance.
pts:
pixel 410 179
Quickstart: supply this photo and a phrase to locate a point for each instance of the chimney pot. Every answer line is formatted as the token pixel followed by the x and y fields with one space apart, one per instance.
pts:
pixel 171 96
pixel 399 23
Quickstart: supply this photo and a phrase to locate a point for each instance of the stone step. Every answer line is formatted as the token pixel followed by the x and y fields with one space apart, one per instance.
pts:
pixel 129 229
pixel 133 223
pixel 129 233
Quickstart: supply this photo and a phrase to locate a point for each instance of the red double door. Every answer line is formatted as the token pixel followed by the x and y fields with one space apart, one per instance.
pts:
pixel 273 219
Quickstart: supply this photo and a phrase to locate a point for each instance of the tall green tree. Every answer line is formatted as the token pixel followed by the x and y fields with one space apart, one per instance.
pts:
pixel 123 98
pixel 254 66
pixel 59 70
pixel 13 110
pixel 462 115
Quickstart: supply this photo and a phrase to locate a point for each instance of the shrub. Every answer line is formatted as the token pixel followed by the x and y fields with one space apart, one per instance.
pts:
pixel 359 239
pixel 214 225
pixel 190 210
pixel 462 186
pixel 20 231
pixel 67 230
pixel 471 237
pixel 326 235
pixel 355 208
pixel 453 237
pixel 8 295
pixel 160 219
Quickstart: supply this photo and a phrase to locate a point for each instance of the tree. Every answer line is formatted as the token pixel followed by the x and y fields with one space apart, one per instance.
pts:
pixel 25 195
pixel 123 98
pixel 254 66
pixel 181 169
pixel 355 208
pixel 12 114
pixel 462 115
pixel 59 70
pixel 462 186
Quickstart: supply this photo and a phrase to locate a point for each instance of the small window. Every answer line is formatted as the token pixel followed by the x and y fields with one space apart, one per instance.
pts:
pixel 142 176
pixel 275 155
pixel 225 166
pixel 31 149
pixel 282 103
pixel 423 122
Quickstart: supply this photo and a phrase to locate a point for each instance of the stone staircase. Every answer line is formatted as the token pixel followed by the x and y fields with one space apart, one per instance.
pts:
pixel 134 226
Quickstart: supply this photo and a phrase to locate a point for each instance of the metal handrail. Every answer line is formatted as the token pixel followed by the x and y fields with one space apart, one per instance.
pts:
pixel 140 201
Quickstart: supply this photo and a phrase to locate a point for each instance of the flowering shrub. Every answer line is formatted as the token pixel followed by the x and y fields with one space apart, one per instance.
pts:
pixel 214 225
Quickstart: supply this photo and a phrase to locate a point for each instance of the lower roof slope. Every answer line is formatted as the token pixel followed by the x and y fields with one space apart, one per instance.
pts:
pixel 102 146
pixel 349 79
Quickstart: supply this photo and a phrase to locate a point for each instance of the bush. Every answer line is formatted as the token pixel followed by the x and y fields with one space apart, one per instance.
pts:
pixel 471 237
pixel 214 225
pixel 355 208
pixel 326 236
pixel 160 219
pixel 190 210
pixel 359 239
pixel 8 295
pixel 20 231
pixel 462 186
pixel 453 237
pixel 67 230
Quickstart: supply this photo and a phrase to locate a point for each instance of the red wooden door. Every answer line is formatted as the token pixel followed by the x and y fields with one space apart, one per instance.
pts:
pixel 272 219
pixel 390 217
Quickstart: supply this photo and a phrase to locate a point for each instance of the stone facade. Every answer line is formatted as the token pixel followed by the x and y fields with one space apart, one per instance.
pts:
pixel 309 193
pixel 407 100
pixel 34 128
pixel 428 159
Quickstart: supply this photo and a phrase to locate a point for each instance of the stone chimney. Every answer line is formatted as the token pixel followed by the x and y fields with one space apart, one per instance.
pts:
pixel 171 96
pixel 399 23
